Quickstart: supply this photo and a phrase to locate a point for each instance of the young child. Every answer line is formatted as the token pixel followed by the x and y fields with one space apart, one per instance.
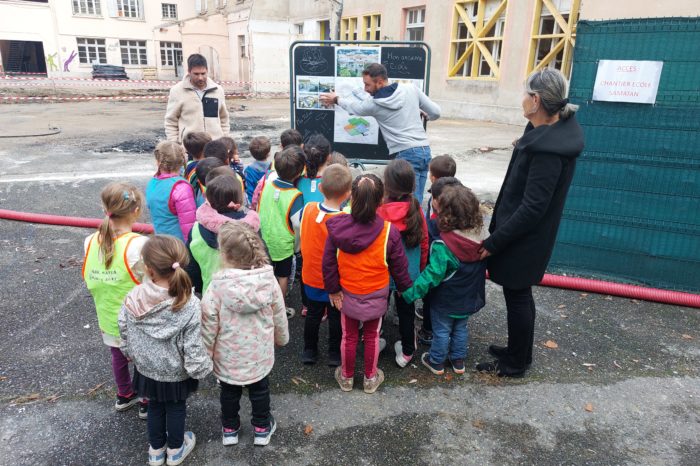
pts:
pixel 204 166
pixel 194 143
pixel 112 267
pixel 401 208
pixel 160 328
pixel 425 332
pixel 361 251
pixel 224 204
pixel 260 150
pixel 338 158
pixel 169 196
pixel 457 276
pixel 232 152
pixel 337 182
pixel 243 318
pixel 225 151
pixel 280 208
pixel 317 150
pixel 439 167
pixel 289 137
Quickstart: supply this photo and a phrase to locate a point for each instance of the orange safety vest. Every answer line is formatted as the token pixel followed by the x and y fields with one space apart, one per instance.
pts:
pixel 313 241
pixel 367 271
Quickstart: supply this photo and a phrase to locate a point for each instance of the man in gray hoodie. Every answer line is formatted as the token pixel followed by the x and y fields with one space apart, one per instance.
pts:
pixel 399 110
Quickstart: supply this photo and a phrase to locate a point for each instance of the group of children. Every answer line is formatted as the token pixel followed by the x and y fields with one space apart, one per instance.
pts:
pixel 235 236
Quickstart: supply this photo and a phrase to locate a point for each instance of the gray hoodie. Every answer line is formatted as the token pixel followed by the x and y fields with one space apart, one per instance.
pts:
pixel 397 110
pixel 165 346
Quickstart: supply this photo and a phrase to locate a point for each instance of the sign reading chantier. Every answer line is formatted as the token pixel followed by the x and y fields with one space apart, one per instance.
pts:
pixel 627 81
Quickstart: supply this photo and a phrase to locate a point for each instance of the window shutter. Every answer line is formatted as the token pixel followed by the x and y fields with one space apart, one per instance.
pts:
pixel 112 8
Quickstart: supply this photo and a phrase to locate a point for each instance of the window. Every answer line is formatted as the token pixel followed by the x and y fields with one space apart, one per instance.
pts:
pixel 477 37
pixel 415 24
pixel 242 47
pixel 364 28
pixel 552 44
pixel 169 10
pixel 133 52
pixel 92 51
pixel 324 28
pixel 299 29
pixel 128 8
pixel 87 7
pixel 170 53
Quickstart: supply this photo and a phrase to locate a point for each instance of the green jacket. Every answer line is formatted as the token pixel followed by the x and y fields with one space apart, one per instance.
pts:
pixel 442 264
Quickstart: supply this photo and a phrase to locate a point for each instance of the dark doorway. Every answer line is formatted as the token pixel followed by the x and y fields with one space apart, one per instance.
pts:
pixel 22 56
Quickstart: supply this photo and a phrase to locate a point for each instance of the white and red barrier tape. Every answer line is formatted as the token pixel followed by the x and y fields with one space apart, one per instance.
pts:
pixel 6 99
pixel 128 81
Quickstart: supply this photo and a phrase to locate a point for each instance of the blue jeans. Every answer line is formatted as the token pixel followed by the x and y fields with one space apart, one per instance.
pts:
pixel 419 158
pixel 450 338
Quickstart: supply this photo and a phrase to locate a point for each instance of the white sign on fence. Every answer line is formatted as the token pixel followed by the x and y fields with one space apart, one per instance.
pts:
pixel 627 81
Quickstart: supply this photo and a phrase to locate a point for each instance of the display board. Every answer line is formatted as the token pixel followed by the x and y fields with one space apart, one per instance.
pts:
pixel 336 66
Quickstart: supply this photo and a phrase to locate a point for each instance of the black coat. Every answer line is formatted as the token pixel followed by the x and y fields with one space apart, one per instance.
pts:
pixel 529 207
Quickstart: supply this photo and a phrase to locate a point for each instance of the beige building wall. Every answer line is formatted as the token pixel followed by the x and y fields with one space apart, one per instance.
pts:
pixel 601 9
pixel 26 21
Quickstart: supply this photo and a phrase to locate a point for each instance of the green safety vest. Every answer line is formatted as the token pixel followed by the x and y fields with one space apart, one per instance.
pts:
pixel 206 256
pixel 109 287
pixel 273 209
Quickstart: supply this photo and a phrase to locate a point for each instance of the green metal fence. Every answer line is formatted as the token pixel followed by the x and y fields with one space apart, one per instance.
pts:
pixel 633 211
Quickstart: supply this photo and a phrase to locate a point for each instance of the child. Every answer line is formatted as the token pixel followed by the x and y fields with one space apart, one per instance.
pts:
pixel 243 318
pixel 112 267
pixel 194 143
pixel 317 150
pixel 280 208
pixel 169 196
pixel 159 324
pixel 361 251
pixel 225 151
pixel 202 171
pixel 232 152
pixel 439 167
pixel 425 333
pixel 224 204
pixel 289 137
pixel 457 276
pixel 401 208
pixel 260 150
pixel 337 157
pixel 337 182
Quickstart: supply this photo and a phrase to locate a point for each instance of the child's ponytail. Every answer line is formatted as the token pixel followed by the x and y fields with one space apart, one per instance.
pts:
pixel 399 184
pixel 118 200
pixel 366 195
pixel 170 157
pixel 168 257
pixel 317 150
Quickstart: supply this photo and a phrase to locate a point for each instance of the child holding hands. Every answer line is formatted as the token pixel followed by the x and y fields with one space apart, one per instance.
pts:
pixel 243 318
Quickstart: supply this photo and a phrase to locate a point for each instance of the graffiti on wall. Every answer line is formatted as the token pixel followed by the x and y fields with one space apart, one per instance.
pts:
pixel 51 62
pixel 68 61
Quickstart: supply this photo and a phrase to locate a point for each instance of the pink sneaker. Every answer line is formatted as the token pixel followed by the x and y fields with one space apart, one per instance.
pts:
pixel 304 310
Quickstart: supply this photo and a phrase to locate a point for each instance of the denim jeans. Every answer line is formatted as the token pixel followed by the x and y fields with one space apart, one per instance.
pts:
pixel 450 338
pixel 166 423
pixel 419 158
pixel 259 394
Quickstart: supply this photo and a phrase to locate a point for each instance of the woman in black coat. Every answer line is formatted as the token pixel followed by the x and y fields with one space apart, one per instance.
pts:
pixel 528 210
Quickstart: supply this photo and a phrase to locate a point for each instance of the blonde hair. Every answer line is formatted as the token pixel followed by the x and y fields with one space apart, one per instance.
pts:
pixel 170 157
pixel 168 257
pixel 241 247
pixel 118 200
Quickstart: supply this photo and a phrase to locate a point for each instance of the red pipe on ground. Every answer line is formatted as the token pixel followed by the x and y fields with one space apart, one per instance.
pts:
pixel 677 298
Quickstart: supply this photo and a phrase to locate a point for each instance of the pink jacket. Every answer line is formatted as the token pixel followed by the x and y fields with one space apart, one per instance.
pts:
pixel 182 204
pixel 243 318
pixel 213 220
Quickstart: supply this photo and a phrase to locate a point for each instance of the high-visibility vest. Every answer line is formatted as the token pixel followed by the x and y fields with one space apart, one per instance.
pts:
pixel 273 208
pixel 313 241
pixel 109 287
pixel 366 271
pixel 207 257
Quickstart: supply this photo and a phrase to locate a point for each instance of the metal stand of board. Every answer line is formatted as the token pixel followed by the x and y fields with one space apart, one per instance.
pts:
pixel 318 66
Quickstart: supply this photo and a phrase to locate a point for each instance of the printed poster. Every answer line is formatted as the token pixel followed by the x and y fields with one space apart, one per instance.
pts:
pixel 627 81
pixel 309 88
pixel 350 62
pixel 354 129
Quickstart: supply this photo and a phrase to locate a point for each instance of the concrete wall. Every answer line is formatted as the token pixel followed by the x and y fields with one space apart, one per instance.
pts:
pixel 200 34
pixel 618 9
pixel 27 21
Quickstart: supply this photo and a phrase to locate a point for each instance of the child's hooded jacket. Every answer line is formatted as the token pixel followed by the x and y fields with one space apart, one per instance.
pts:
pixel 243 318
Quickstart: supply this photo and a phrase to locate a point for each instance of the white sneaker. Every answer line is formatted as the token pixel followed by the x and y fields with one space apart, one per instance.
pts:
pixel 156 457
pixel 382 344
pixel 401 359
pixel 178 455
pixel 262 436
pixel 291 312
pixel 229 436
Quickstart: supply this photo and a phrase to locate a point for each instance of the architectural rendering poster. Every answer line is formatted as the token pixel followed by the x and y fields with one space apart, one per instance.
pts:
pixel 354 129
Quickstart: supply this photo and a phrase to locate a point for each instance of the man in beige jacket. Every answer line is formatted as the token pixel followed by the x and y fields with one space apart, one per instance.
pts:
pixel 196 103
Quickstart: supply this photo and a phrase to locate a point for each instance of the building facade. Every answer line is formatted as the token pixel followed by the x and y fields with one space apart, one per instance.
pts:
pixel 65 38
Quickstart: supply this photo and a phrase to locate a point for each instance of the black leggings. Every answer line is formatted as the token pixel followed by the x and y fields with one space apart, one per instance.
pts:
pixel 407 324
pixel 259 395
pixel 521 327
pixel 166 423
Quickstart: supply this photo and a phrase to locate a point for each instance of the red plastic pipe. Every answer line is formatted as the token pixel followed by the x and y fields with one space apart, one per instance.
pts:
pixel 677 298
pixel 65 221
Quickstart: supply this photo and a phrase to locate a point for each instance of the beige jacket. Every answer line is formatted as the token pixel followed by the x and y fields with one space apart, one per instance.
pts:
pixel 186 112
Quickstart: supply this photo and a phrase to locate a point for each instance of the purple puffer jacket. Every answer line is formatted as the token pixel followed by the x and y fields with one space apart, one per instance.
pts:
pixel 352 237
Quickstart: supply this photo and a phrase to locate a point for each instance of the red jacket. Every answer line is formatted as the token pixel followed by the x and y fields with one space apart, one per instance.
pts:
pixel 395 212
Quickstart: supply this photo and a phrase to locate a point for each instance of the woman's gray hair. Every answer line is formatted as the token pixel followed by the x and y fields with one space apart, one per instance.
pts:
pixel 552 88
